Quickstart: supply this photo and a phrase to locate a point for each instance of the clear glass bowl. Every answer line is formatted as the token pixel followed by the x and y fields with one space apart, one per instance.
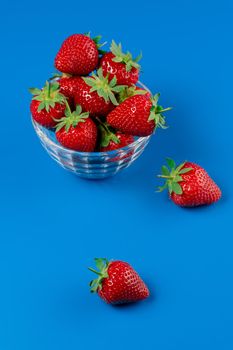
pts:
pixel 91 165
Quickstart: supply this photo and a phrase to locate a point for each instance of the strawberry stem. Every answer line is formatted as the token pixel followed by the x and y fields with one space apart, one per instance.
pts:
pixel 48 96
pixel 93 270
pixel 49 89
pixel 165 177
pixel 68 108
pixel 166 109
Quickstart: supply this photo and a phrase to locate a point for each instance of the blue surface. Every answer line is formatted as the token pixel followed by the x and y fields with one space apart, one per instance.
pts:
pixel 53 224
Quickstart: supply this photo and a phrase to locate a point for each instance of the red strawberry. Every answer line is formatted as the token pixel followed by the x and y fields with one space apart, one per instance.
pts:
pixel 68 85
pixel 123 66
pixel 77 131
pixel 78 55
pixel 47 104
pixel 96 94
pixel 189 184
pixel 130 91
pixel 118 282
pixel 138 115
pixel 111 141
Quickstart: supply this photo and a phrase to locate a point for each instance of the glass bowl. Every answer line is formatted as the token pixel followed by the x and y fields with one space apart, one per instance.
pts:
pixel 91 165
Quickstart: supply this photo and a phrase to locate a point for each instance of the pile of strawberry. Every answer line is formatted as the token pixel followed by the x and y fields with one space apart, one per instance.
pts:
pixel 94 104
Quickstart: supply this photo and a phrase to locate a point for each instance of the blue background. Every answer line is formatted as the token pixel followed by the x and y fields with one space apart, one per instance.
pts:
pixel 53 224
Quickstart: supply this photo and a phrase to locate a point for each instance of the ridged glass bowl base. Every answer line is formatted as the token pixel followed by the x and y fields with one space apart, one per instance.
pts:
pixel 94 165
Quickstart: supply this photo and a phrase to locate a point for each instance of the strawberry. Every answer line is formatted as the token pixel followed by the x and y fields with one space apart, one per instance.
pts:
pixel 111 141
pixel 78 55
pixel 130 91
pixel 68 85
pixel 189 185
pixel 118 282
pixel 138 115
pixel 47 104
pixel 123 66
pixel 76 130
pixel 96 94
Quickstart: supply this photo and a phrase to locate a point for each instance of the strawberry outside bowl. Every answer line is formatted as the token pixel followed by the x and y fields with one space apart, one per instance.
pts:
pixel 91 165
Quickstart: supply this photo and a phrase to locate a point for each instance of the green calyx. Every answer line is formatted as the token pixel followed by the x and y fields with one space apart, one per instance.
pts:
pixel 102 265
pixel 48 96
pixel 97 39
pixel 71 118
pixel 129 92
pixel 107 135
pixel 156 113
pixel 103 86
pixel 125 58
pixel 172 176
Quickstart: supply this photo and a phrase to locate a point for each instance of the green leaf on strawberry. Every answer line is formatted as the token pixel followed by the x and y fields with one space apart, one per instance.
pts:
pixel 97 39
pixel 165 170
pixel 71 118
pixel 176 188
pixel 48 96
pixel 34 91
pixel 103 87
pixel 127 58
pixel 129 91
pixel 156 112
pixel 173 176
pixel 171 163
pixel 102 265
pixel 107 135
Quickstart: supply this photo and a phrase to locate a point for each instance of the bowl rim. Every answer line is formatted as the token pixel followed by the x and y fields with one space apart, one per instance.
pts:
pixel 95 154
